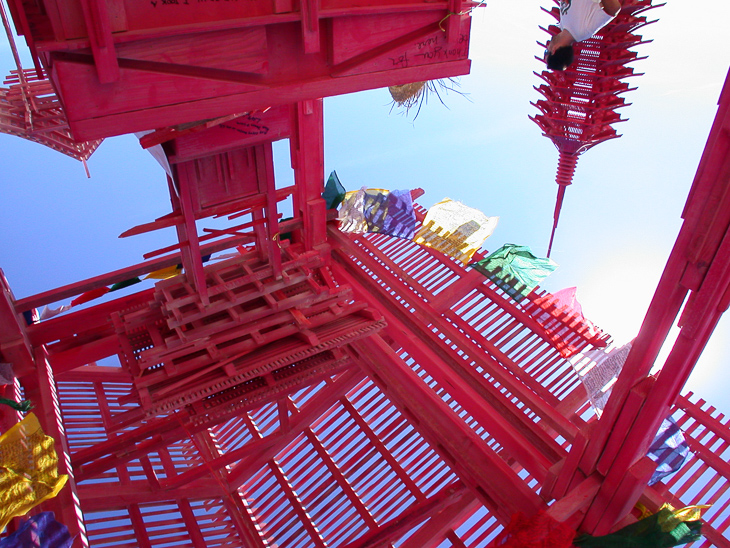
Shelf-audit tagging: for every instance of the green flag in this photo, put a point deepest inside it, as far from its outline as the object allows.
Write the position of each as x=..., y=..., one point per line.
x=515, y=269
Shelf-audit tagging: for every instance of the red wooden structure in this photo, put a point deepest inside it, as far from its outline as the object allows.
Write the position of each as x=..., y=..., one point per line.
x=316, y=388
x=123, y=66
x=580, y=104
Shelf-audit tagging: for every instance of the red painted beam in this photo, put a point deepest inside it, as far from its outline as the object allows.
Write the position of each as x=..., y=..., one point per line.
x=15, y=348
x=111, y=123
x=40, y=388
x=96, y=497
x=307, y=151
x=433, y=532
x=389, y=532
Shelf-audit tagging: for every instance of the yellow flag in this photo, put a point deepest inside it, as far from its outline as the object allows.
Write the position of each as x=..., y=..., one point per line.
x=28, y=469
x=164, y=273
x=455, y=229
x=688, y=513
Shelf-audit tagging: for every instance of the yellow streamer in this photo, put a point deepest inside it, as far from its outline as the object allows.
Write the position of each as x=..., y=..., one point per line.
x=164, y=273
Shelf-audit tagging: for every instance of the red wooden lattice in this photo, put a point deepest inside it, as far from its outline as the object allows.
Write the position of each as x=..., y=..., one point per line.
x=324, y=389
x=30, y=109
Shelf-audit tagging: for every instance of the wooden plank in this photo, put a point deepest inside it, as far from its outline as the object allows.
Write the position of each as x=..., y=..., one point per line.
x=98, y=27
x=307, y=146
x=264, y=158
x=76, y=288
x=83, y=354
x=127, y=108
x=95, y=497
x=14, y=343
x=297, y=505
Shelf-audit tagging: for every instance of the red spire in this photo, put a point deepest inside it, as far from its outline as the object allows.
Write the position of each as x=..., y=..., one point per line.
x=580, y=104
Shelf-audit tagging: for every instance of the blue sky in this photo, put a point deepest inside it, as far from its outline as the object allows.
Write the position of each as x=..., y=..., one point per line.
x=619, y=220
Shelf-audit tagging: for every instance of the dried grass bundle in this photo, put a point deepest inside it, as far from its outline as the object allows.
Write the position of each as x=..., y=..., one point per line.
x=408, y=96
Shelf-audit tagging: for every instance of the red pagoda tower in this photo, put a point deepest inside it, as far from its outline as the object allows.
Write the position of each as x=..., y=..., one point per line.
x=317, y=388
x=580, y=104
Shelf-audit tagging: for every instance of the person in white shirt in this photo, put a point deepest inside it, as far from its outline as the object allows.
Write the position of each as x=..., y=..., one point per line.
x=579, y=20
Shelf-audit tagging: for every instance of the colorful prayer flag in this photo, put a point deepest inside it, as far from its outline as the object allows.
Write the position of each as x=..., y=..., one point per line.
x=669, y=449
x=600, y=372
x=352, y=213
x=515, y=270
x=334, y=192
x=165, y=273
x=28, y=469
x=125, y=283
x=664, y=529
x=23, y=406
x=39, y=531
x=90, y=296
x=561, y=316
x=455, y=229
x=380, y=211
x=49, y=312
x=392, y=214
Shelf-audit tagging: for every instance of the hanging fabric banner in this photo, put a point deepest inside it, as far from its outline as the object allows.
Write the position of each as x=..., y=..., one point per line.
x=515, y=270
x=455, y=229
x=23, y=406
x=600, y=373
x=391, y=213
x=380, y=211
x=352, y=213
x=561, y=316
x=48, y=313
x=28, y=469
x=157, y=152
x=39, y=531
x=669, y=449
x=165, y=273
x=90, y=296
x=125, y=283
